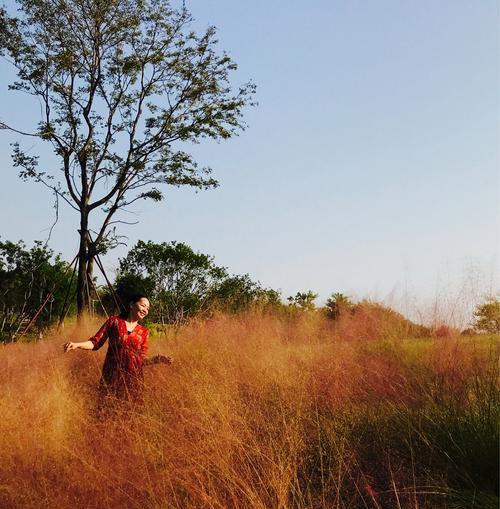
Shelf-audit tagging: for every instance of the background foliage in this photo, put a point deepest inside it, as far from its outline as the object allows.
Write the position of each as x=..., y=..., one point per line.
x=27, y=277
x=183, y=284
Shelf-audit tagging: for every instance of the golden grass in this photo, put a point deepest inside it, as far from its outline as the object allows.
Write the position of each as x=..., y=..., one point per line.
x=258, y=411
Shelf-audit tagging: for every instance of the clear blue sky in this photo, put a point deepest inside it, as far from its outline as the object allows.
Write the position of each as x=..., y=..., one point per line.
x=371, y=165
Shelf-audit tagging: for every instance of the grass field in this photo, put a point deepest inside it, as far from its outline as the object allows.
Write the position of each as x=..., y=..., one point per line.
x=258, y=411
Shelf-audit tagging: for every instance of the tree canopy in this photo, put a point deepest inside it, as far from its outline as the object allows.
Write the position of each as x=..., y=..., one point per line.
x=487, y=316
x=303, y=300
x=338, y=304
x=123, y=86
x=183, y=283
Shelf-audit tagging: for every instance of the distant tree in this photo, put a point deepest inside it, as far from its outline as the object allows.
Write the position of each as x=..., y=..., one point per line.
x=303, y=300
x=27, y=277
x=238, y=293
x=122, y=85
x=487, y=316
x=268, y=297
x=179, y=280
x=468, y=331
x=337, y=305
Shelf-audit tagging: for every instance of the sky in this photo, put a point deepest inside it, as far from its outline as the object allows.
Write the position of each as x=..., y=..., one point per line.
x=369, y=167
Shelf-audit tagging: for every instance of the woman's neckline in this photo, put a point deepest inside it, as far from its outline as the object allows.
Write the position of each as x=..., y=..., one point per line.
x=126, y=328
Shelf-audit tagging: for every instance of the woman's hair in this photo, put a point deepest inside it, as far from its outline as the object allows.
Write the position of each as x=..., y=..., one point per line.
x=136, y=297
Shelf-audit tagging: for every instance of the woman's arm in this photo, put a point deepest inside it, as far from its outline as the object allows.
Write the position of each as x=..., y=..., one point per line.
x=95, y=342
x=84, y=345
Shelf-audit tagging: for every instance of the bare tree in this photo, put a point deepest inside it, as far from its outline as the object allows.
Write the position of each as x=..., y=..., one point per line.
x=123, y=85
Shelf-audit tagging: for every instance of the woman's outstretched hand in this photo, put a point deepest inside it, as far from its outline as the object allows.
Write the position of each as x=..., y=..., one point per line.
x=70, y=346
x=84, y=345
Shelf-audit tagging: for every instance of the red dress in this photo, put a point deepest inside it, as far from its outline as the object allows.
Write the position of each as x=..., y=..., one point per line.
x=122, y=375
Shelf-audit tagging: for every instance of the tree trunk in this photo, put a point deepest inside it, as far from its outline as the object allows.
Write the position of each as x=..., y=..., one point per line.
x=90, y=275
x=82, y=284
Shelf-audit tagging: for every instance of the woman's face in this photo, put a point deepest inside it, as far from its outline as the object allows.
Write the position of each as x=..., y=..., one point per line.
x=140, y=309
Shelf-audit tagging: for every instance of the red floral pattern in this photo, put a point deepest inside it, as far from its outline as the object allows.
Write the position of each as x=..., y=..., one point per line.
x=122, y=370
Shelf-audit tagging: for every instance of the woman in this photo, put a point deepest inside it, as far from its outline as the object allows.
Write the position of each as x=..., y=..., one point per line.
x=122, y=375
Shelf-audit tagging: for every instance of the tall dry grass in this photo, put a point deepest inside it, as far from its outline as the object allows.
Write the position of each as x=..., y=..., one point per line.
x=258, y=411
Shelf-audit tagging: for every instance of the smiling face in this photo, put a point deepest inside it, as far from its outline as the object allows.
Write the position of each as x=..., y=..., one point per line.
x=139, y=309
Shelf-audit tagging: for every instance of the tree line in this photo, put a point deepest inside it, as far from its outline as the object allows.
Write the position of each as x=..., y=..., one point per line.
x=180, y=282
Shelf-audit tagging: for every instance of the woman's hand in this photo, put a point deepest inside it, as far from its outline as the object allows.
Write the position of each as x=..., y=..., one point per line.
x=70, y=346
x=84, y=345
